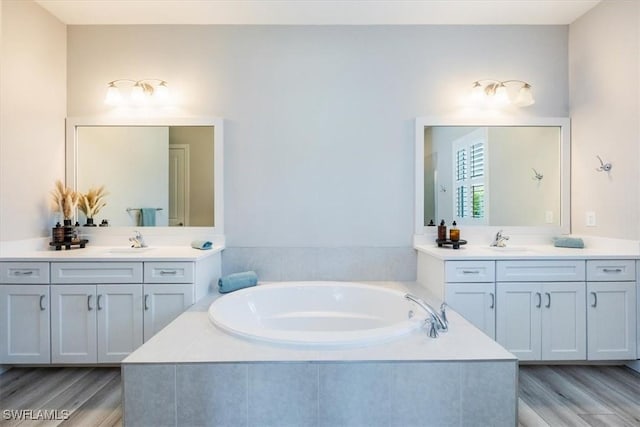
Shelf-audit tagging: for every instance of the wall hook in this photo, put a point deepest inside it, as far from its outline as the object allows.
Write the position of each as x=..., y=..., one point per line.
x=537, y=175
x=606, y=167
x=443, y=189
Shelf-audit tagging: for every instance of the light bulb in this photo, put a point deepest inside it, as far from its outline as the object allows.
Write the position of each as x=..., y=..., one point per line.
x=137, y=94
x=161, y=92
x=525, y=97
x=113, y=97
x=501, y=97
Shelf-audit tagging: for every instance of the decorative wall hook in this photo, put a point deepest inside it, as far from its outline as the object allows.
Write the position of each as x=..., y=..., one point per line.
x=537, y=175
x=443, y=189
x=604, y=167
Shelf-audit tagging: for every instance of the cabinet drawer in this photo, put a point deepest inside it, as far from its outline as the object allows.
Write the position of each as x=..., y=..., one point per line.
x=168, y=272
x=540, y=271
x=469, y=271
x=607, y=270
x=24, y=272
x=96, y=272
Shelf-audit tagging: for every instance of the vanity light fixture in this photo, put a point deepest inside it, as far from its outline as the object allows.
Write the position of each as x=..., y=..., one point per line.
x=140, y=92
x=495, y=93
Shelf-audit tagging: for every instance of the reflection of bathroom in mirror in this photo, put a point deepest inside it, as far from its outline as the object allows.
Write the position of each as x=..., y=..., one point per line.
x=167, y=171
x=512, y=175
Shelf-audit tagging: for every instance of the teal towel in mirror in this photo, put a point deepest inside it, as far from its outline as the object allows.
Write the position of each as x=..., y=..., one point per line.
x=568, y=242
x=201, y=244
x=235, y=281
x=147, y=217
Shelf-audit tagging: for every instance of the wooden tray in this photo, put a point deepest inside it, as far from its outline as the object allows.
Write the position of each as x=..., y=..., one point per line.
x=69, y=245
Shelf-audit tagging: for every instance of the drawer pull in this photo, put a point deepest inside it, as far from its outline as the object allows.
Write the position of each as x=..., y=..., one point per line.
x=98, y=301
x=146, y=302
x=612, y=270
x=470, y=271
x=89, y=302
x=168, y=272
x=548, y=299
x=539, y=295
x=595, y=299
x=24, y=273
x=42, y=307
x=493, y=300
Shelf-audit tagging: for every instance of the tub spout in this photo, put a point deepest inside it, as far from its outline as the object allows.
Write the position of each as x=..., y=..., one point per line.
x=437, y=320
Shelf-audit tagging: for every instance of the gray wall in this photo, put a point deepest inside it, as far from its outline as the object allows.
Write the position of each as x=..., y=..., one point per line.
x=319, y=120
x=605, y=109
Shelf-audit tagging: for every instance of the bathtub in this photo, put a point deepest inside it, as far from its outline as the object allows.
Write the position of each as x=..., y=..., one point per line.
x=316, y=313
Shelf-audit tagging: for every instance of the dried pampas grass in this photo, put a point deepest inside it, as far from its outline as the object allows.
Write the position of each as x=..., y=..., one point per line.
x=64, y=200
x=91, y=203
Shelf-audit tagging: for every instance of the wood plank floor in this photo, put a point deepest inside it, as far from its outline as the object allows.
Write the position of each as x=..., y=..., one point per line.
x=595, y=396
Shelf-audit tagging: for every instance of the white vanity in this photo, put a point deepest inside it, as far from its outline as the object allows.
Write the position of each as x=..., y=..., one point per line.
x=540, y=302
x=96, y=305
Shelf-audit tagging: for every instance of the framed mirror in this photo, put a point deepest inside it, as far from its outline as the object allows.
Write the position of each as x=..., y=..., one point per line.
x=157, y=172
x=510, y=174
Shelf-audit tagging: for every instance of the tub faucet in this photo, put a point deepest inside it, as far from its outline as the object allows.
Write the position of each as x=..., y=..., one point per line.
x=438, y=321
x=500, y=241
x=137, y=241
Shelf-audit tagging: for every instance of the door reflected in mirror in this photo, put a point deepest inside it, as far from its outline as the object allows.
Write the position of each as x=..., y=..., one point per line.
x=493, y=175
x=155, y=175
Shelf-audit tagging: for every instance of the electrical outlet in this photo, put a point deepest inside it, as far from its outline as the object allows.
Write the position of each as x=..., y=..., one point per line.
x=548, y=217
x=590, y=220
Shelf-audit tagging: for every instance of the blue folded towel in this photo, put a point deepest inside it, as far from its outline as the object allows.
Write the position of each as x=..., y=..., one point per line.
x=235, y=281
x=147, y=217
x=568, y=242
x=201, y=244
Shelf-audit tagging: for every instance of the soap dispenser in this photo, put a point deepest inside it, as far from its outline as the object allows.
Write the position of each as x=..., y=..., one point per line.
x=454, y=232
x=442, y=231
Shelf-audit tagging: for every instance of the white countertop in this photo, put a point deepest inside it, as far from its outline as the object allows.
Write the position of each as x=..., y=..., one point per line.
x=110, y=253
x=191, y=338
x=531, y=252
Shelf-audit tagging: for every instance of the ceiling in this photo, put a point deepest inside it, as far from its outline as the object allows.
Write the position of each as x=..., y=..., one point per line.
x=318, y=12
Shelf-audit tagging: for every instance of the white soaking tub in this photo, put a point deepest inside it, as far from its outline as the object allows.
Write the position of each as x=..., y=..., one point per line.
x=316, y=313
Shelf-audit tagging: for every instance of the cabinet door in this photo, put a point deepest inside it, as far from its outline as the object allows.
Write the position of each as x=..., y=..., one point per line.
x=24, y=324
x=518, y=309
x=119, y=309
x=611, y=320
x=475, y=302
x=162, y=304
x=73, y=324
x=564, y=322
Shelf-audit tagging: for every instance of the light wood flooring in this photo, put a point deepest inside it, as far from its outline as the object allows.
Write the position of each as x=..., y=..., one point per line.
x=553, y=396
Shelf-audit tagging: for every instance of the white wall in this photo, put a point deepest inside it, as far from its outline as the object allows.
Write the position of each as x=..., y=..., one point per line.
x=604, y=69
x=319, y=120
x=32, y=113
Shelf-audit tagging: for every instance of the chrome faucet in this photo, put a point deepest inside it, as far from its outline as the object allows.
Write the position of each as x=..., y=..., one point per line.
x=437, y=321
x=500, y=240
x=137, y=241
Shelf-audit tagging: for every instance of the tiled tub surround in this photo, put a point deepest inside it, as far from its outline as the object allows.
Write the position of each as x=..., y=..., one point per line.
x=192, y=373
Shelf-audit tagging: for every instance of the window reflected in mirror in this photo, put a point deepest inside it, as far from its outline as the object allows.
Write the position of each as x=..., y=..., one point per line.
x=493, y=175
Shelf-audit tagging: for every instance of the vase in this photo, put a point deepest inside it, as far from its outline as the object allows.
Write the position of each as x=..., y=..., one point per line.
x=89, y=223
x=68, y=231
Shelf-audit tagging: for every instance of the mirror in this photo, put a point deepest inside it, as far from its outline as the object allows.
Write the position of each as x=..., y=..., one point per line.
x=156, y=173
x=512, y=174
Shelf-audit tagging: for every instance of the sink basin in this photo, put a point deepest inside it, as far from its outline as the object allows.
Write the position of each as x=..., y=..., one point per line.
x=129, y=250
x=510, y=249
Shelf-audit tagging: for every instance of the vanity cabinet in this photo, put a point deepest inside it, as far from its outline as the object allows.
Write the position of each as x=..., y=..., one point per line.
x=24, y=313
x=611, y=310
x=167, y=293
x=540, y=316
x=470, y=290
